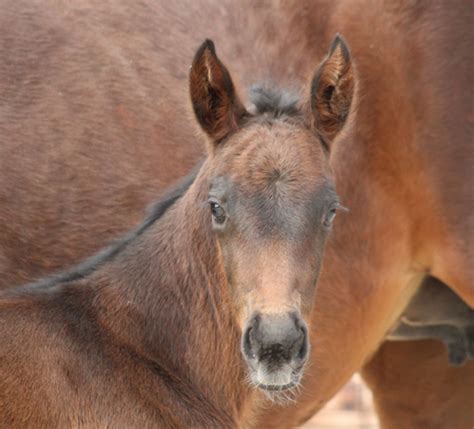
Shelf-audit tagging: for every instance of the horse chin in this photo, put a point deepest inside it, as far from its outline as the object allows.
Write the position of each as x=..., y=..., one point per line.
x=276, y=388
x=276, y=380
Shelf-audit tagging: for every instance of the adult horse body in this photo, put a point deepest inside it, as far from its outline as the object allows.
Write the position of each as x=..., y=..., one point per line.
x=92, y=117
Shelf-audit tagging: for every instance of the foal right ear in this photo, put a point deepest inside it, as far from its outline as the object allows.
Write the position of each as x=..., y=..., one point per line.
x=332, y=90
x=215, y=103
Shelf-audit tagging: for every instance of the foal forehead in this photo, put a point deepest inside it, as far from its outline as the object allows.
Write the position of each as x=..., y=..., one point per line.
x=277, y=180
x=278, y=156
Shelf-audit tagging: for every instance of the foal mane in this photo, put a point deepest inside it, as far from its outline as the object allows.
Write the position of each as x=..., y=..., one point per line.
x=267, y=98
x=89, y=265
x=271, y=100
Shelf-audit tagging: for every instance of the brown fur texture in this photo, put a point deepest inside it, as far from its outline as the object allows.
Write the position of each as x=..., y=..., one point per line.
x=93, y=126
x=148, y=332
x=215, y=103
x=331, y=87
x=134, y=344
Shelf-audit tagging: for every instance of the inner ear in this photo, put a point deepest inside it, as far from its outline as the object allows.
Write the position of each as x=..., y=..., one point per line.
x=215, y=102
x=332, y=90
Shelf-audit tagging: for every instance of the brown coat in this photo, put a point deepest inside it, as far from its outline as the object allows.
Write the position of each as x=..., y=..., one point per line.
x=77, y=82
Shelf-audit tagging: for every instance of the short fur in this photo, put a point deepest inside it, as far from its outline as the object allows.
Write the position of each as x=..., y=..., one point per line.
x=156, y=211
x=147, y=333
x=95, y=124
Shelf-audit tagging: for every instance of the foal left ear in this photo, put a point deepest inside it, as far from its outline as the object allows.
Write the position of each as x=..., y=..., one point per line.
x=332, y=90
x=215, y=103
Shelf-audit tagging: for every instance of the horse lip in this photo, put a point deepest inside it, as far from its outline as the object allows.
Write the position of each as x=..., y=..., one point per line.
x=274, y=388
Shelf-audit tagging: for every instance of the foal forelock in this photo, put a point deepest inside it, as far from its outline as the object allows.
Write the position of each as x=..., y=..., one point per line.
x=268, y=98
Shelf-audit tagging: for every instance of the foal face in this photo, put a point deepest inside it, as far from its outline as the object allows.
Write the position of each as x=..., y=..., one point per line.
x=271, y=203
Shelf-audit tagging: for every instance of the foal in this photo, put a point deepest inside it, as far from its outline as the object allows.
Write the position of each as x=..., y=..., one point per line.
x=151, y=332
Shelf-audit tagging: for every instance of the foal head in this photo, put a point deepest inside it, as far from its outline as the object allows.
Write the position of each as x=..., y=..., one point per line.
x=271, y=202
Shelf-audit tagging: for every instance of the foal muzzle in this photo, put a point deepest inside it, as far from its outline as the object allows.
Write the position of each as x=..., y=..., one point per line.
x=275, y=347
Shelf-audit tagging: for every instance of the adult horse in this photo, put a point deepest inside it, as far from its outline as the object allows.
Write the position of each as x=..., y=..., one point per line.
x=93, y=127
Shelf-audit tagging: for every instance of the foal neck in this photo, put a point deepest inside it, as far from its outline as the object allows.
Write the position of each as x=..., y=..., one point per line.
x=164, y=297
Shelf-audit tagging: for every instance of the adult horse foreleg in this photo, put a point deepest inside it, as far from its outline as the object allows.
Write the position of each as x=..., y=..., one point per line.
x=436, y=312
x=451, y=336
x=414, y=387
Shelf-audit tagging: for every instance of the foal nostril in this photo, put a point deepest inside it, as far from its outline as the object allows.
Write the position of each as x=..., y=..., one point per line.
x=304, y=345
x=250, y=340
x=276, y=339
x=247, y=343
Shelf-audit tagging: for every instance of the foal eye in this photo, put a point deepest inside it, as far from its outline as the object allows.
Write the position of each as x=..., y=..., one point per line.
x=330, y=215
x=218, y=213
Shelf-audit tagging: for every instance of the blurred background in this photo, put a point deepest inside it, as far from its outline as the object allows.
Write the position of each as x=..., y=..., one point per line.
x=350, y=408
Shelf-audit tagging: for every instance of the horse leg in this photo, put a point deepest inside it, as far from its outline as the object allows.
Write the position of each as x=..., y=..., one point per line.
x=414, y=387
x=457, y=353
x=470, y=341
x=451, y=336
